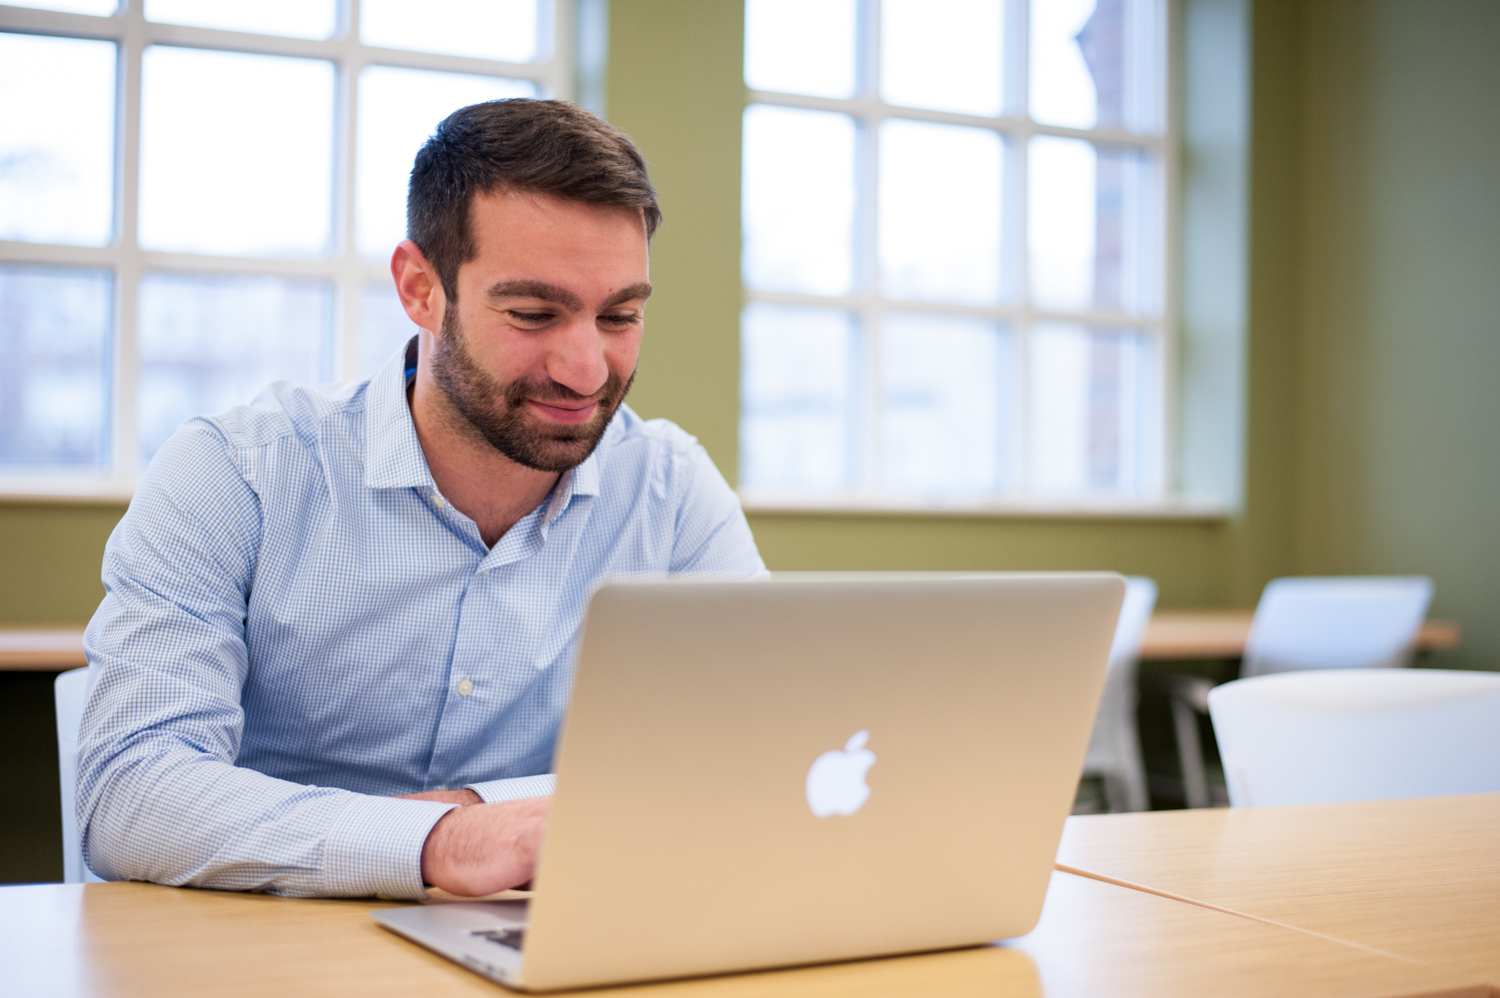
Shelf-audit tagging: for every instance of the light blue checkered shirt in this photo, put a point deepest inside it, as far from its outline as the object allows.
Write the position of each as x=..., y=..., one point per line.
x=298, y=625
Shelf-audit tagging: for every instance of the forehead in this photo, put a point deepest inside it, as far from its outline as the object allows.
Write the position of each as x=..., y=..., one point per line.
x=511, y=223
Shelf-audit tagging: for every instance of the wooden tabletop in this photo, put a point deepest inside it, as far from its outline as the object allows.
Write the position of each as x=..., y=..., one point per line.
x=41, y=649
x=1184, y=634
x=1172, y=634
x=1094, y=939
x=1417, y=878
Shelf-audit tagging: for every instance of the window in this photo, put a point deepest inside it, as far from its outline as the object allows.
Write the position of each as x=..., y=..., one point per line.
x=955, y=215
x=198, y=197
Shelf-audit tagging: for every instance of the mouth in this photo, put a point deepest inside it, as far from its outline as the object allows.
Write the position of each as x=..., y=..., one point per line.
x=570, y=414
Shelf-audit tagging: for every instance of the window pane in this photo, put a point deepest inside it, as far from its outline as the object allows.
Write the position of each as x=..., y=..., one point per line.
x=236, y=153
x=483, y=29
x=99, y=8
x=54, y=385
x=797, y=399
x=1098, y=63
x=942, y=54
x=1095, y=411
x=384, y=327
x=1095, y=217
x=295, y=18
x=209, y=343
x=944, y=387
x=939, y=212
x=801, y=46
x=798, y=200
x=398, y=110
x=57, y=144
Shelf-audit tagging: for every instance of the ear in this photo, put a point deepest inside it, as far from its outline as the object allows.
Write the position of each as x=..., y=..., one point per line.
x=418, y=285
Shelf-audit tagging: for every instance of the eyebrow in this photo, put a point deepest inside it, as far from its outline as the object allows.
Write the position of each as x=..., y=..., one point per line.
x=562, y=296
x=630, y=293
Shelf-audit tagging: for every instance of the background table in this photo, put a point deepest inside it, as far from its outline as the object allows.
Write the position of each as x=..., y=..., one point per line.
x=1188, y=634
x=1415, y=878
x=1172, y=634
x=1094, y=939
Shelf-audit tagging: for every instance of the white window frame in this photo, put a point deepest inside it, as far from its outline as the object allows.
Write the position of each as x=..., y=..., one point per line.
x=869, y=306
x=344, y=269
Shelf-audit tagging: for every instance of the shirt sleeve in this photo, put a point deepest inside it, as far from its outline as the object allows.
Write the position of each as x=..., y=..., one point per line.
x=515, y=788
x=712, y=535
x=159, y=795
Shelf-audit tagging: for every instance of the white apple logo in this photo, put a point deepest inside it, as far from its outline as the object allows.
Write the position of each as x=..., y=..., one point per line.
x=836, y=781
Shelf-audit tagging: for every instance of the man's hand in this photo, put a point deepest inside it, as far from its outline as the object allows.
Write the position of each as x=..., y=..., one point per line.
x=485, y=848
x=464, y=797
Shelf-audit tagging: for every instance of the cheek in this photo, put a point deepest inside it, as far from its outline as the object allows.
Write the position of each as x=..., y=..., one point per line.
x=623, y=352
x=503, y=351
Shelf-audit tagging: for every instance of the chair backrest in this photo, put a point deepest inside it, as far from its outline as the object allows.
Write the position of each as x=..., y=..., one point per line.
x=1355, y=622
x=1135, y=614
x=1114, y=747
x=71, y=692
x=1358, y=734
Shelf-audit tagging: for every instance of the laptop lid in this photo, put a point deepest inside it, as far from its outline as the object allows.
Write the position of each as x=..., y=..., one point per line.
x=711, y=812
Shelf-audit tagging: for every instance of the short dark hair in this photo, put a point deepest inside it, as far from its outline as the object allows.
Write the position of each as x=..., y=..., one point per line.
x=540, y=146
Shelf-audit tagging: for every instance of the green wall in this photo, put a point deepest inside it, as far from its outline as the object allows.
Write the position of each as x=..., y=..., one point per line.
x=1374, y=286
x=51, y=557
x=1399, y=376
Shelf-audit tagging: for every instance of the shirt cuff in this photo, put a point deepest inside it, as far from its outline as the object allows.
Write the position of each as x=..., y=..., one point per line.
x=375, y=847
x=495, y=791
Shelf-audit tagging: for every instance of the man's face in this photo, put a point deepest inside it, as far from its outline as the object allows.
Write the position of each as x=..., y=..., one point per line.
x=542, y=344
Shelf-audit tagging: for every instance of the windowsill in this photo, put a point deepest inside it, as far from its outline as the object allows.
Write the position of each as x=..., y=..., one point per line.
x=1082, y=509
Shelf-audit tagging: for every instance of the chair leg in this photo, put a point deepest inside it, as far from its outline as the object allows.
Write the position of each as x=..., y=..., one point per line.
x=1116, y=794
x=1190, y=753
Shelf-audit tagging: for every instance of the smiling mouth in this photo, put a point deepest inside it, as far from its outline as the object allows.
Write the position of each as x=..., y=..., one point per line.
x=570, y=414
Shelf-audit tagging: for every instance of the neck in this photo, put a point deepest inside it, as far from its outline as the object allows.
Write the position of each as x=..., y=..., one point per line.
x=479, y=481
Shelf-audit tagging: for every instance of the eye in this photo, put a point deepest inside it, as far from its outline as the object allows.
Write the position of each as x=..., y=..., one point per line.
x=528, y=320
x=620, y=320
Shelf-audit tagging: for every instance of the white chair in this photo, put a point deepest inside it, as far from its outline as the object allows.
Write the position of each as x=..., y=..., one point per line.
x=1358, y=734
x=1115, y=746
x=71, y=692
x=1329, y=622
x=1336, y=623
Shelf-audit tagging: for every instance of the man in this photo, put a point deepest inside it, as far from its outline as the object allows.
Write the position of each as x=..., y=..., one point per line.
x=340, y=622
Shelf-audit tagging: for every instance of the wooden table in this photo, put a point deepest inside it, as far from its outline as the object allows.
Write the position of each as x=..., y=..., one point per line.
x=1184, y=634
x=1418, y=879
x=41, y=649
x=1094, y=939
x=1172, y=634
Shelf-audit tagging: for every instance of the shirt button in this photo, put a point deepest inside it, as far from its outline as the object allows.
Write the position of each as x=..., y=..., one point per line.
x=465, y=687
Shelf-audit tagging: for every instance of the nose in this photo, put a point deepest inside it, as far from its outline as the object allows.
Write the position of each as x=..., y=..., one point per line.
x=576, y=357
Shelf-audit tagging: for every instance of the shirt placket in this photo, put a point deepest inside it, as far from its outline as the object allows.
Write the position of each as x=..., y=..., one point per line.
x=495, y=645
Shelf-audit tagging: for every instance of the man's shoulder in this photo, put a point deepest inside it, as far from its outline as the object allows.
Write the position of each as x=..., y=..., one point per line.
x=289, y=429
x=657, y=446
x=662, y=435
x=286, y=409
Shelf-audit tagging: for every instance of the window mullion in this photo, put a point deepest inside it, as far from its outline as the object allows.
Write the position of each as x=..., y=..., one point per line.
x=347, y=283
x=867, y=241
x=1013, y=249
x=130, y=263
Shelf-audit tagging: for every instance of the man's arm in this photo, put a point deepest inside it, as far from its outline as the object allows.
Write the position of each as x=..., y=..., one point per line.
x=712, y=536
x=159, y=796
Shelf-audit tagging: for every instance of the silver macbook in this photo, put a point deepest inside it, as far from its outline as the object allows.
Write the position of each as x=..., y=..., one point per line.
x=799, y=770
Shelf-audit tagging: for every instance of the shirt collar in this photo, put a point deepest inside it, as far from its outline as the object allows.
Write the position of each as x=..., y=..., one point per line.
x=393, y=455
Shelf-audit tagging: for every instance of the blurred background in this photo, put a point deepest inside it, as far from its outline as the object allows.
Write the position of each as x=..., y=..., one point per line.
x=1198, y=290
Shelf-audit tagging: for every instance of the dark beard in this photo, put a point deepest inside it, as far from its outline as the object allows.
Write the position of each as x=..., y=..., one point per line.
x=500, y=415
